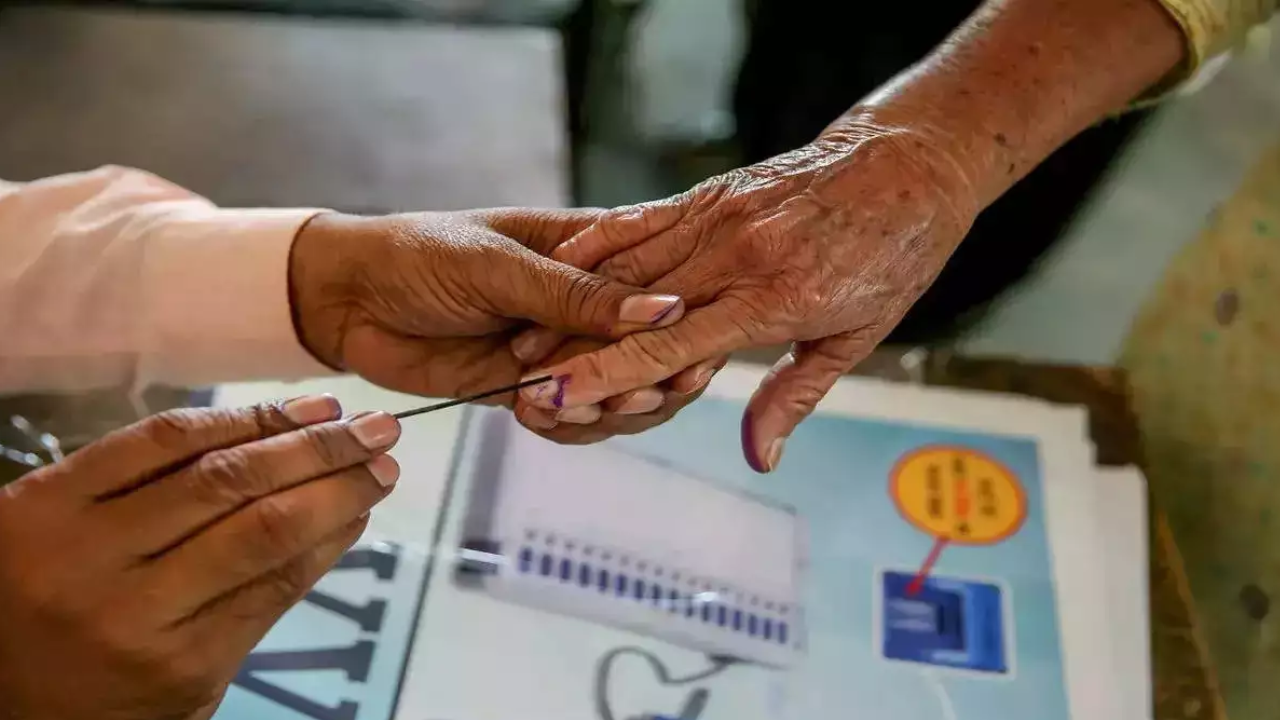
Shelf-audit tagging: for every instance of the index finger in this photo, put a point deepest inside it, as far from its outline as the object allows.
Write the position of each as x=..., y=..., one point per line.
x=647, y=358
x=164, y=513
x=129, y=458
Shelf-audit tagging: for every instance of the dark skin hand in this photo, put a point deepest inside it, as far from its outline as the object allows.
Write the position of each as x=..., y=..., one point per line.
x=137, y=574
x=426, y=303
x=828, y=246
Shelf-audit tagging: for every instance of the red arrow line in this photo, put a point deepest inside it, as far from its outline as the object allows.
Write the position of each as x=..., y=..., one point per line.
x=927, y=567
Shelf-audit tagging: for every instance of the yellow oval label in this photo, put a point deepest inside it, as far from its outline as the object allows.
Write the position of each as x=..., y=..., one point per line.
x=962, y=495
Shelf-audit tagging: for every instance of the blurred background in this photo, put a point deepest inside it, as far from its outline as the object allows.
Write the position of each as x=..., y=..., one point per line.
x=384, y=105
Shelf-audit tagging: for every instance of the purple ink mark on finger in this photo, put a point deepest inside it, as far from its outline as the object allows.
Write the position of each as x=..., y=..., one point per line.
x=662, y=314
x=749, y=446
x=561, y=383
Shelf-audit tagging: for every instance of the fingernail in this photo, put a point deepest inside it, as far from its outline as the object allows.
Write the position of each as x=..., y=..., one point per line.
x=642, y=401
x=757, y=463
x=702, y=379
x=374, y=430
x=774, y=454
x=312, y=409
x=650, y=309
x=536, y=419
x=584, y=415
x=524, y=346
x=549, y=394
x=384, y=469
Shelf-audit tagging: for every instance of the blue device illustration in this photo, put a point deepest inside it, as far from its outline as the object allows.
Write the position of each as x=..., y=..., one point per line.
x=946, y=622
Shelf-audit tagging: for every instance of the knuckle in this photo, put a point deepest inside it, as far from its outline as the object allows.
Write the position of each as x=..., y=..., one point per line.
x=583, y=294
x=804, y=398
x=623, y=267
x=188, y=426
x=753, y=317
x=278, y=526
x=332, y=446
x=173, y=428
x=266, y=419
x=286, y=585
x=651, y=352
x=225, y=478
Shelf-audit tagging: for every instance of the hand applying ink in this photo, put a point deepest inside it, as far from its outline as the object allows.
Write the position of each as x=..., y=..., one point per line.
x=426, y=303
x=143, y=568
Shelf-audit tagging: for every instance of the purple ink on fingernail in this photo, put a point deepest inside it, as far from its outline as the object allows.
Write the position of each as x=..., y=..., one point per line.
x=561, y=382
x=662, y=314
x=749, y=446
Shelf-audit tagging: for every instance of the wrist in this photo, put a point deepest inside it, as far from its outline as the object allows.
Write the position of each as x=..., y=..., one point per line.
x=1019, y=79
x=322, y=272
x=924, y=155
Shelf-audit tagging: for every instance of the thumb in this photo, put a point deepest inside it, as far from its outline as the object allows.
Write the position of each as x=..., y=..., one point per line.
x=790, y=393
x=573, y=301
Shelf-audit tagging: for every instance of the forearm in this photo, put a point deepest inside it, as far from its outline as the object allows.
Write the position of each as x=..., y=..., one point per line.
x=1020, y=78
x=115, y=277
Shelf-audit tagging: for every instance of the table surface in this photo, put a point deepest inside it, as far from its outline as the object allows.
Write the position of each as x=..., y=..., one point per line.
x=1181, y=678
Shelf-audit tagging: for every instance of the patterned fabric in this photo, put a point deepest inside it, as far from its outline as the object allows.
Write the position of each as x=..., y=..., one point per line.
x=1203, y=359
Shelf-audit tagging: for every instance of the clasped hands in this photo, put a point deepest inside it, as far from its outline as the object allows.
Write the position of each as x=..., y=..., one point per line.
x=633, y=310
x=193, y=531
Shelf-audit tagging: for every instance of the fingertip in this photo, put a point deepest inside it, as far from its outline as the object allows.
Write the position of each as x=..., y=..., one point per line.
x=535, y=419
x=636, y=402
x=750, y=449
x=582, y=415
x=376, y=431
x=385, y=470
x=548, y=395
x=535, y=344
x=651, y=311
x=312, y=409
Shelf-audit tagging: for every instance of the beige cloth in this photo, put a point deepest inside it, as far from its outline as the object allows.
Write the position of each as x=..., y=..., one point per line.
x=115, y=277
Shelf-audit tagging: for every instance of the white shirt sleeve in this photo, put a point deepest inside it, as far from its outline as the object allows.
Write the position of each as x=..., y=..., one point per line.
x=116, y=278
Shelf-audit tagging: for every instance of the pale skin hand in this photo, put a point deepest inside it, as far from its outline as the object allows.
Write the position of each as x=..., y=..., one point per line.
x=829, y=245
x=137, y=574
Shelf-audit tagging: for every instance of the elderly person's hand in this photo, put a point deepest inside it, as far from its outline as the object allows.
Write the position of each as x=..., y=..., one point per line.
x=829, y=245
x=775, y=253
x=629, y=413
x=137, y=574
x=426, y=303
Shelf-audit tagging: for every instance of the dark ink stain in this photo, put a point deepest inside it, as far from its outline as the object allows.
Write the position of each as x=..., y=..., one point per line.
x=1012, y=168
x=1001, y=140
x=1227, y=307
x=904, y=194
x=1256, y=603
x=662, y=314
x=562, y=382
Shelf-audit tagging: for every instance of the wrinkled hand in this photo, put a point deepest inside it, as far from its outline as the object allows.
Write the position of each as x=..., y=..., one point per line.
x=137, y=574
x=826, y=247
x=626, y=414
x=425, y=303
